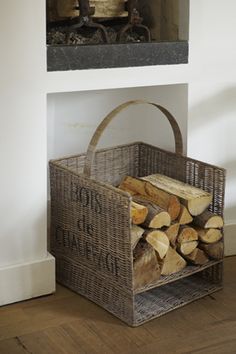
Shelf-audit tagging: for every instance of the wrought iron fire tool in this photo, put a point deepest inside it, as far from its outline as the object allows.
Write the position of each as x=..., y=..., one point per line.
x=134, y=20
x=85, y=19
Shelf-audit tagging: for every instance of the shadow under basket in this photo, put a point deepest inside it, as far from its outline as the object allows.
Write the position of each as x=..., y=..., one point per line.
x=91, y=225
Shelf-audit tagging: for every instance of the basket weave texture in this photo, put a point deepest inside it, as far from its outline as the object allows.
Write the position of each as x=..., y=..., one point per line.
x=91, y=225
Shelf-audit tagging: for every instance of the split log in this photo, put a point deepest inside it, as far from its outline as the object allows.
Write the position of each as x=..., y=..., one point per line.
x=184, y=216
x=100, y=8
x=197, y=257
x=136, y=234
x=140, y=188
x=214, y=250
x=159, y=241
x=209, y=235
x=109, y=8
x=186, y=248
x=138, y=213
x=187, y=240
x=172, y=232
x=52, y=13
x=208, y=220
x=146, y=266
x=134, y=186
x=187, y=234
x=66, y=8
x=156, y=217
x=173, y=262
x=195, y=199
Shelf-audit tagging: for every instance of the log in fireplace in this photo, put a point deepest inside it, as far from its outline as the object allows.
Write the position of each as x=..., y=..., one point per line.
x=83, y=34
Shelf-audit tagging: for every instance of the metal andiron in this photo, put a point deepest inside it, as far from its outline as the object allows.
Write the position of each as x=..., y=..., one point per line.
x=85, y=19
x=124, y=15
x=134, y=20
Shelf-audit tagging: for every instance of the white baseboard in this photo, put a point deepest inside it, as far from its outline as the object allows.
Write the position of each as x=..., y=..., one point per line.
x=230, y=239
x=25, y=281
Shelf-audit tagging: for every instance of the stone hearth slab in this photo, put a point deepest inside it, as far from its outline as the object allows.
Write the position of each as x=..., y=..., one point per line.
x=63, y=58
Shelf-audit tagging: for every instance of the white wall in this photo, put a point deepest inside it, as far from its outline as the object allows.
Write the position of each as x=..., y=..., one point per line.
x=212, y=96
x=23, y=250
x=212, y=90
x=22, y=127
x=212, y=41
x=73, y=117
x=212, y=127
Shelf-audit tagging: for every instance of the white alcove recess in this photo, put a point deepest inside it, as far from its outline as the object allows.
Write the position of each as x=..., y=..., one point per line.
x=73, y=118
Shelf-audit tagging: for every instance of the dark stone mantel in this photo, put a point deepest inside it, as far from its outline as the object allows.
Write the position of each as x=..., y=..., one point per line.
x=63, y=58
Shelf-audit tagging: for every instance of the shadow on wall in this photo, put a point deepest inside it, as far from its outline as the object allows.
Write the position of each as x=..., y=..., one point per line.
x=230, y=215
x=215, y=108
x=212, y=130
x=73, y=117
x=230, y=211
x=230, y=167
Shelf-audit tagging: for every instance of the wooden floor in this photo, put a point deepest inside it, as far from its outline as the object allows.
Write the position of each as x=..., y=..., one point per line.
x=67, y=323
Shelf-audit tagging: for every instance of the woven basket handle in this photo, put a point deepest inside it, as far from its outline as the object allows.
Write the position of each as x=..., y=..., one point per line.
x=102, y=126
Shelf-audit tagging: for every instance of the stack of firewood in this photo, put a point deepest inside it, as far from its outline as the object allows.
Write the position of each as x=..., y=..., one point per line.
x=171, y=227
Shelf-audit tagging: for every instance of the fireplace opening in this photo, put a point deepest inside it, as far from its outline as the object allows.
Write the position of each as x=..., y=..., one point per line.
x=83, y=34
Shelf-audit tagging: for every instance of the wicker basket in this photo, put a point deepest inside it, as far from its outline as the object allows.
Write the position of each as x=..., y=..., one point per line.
x=90, y=225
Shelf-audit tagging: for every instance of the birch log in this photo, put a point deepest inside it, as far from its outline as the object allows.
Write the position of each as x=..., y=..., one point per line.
x=208, y=220
x=156, y=216
x=186, y=248
x=172, y=232
x=159, y=241
x=184, y=216
x=187, y=240
x=101, y=8
x=139, y=188
x=146, y=266
x=197, y=257
x=214, y=250
x=138, y=213
x=187, y=234
x=209, y=235
x=195, y=199
x=136, y=234
x=173, y=262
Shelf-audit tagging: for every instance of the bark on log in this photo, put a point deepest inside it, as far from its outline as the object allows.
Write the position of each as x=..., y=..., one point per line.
x=195, y=199
x=197, y=257
x=138, y=213
x=209, y=235
x=172, y=232
x=145, y=190
x=214, y=250
x=173, y=262
x=159, y=241
x=146, y=266
x=156, y=217
x=208, y=220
